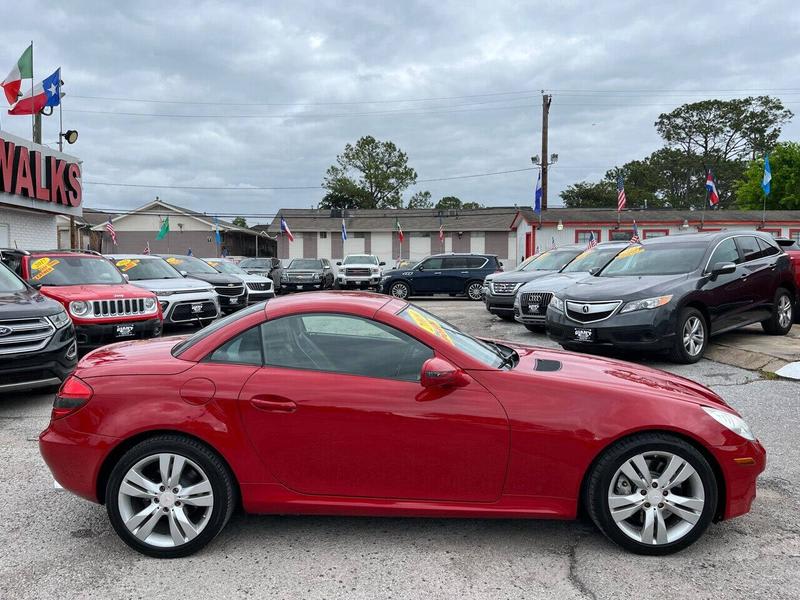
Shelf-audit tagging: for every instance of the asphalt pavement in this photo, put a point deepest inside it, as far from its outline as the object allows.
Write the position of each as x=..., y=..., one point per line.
x=55, y=545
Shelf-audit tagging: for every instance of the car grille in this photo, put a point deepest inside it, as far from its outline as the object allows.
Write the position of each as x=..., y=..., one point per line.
x=184, y=311
x=299, y=277
x=357, y=272
x=26, y=335
x=119, y=308
x=230, y=290
x=501, y=288
x=257, y=286
x=538, y=300
x=590, y=312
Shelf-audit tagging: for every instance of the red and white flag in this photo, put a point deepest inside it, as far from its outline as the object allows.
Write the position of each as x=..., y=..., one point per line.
x=621, y=200
x=22, y=70
x=285, y=230
x=111, y=231
x=711, y=188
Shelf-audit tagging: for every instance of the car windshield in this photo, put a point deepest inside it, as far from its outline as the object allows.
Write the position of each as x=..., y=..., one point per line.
x=73, y=270
x=190, y=264
x=480, y=350
x=225, y=266
x=551, y=260
x=303, y=263
x=656, y=259
x=255, y=262
x=360, y=259
x=596, y=258
x=138, y=269
x=9, y=282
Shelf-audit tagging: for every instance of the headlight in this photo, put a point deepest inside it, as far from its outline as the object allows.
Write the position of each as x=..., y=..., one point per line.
x=150, y=304
x=376, y=271
x=284, y=277
x=731, y=421
x=646, y=303
x=79, y=308
x=316, y=277
x=556, y=303
x=517, y=301
x=59, y=320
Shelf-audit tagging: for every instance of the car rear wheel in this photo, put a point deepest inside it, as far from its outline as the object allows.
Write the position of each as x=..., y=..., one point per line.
x=475, y=290
x=400, y=289
x=782, y=317
x=169, y=496
x=652, y=494
x=691, y=337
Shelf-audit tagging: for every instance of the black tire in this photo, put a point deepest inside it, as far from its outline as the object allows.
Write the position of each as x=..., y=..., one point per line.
x=504, y=316
x=474, y=290
x=400, y=289
x=773, y=325
x=535, y=329
x=222, y=485
x=600, y=480
x=681, y=352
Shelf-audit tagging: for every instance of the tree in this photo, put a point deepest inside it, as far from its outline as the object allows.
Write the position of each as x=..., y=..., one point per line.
x=348, y=196
x=420, y=200
x=471, y=205
x=784, y=163
x=371, y=172
x=590, y=195
x=448, y=203
x=239, y=221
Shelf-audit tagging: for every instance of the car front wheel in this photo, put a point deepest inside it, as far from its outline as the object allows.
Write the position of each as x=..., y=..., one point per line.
x=691, y=337
x=400, y=289
x=169, y=496
x=652, y=494
x=782, y=317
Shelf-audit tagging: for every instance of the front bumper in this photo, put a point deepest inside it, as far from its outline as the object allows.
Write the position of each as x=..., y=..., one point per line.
x=254, y=297
x=497, y=304
x=43, y=368
x=741, y=465
x=298, y=286
x=94, y=335
x=637, y=330
x=181, y=308
x=229, y=304
x=359, y=281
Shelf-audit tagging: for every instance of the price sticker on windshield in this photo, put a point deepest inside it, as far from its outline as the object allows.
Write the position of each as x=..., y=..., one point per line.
x=632, y=251
x=43, y=267
x=175, y=261
x=126, y=264
x=429, y=325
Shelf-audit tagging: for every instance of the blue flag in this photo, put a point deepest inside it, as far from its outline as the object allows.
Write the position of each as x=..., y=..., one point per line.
x=537, y=199
x=765, y=182
x=216, y=231
x=344, y=231
x=52, y=88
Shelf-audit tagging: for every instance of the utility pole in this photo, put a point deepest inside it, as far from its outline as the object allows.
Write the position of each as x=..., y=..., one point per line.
x=546, y=100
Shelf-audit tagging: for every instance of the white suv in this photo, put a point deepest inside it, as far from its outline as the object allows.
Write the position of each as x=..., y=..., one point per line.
x=360, y=270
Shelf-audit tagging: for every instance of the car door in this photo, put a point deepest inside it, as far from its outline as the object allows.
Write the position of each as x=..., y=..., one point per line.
x=427, y=278
x=758, y=277
x=725, y=295
x=338, y=410
x=455, y=274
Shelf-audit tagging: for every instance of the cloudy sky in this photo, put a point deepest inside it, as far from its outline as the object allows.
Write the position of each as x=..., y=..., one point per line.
x=241, y=95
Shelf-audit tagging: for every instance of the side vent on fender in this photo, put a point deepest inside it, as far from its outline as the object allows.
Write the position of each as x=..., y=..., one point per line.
x=544, y=364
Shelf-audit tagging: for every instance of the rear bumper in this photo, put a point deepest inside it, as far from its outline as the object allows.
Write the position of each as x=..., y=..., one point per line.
x=99, y=334
x=740, y=479
x=44, y=368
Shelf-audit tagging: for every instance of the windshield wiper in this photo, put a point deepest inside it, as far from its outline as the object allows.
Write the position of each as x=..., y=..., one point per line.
x=506, y=359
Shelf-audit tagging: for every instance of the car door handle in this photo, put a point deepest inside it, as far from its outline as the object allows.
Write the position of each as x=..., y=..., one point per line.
x=438, y=273
x=464, y=272
x=273, y=404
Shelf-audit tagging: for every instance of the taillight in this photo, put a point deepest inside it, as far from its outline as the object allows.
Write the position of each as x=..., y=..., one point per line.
x=74, y=393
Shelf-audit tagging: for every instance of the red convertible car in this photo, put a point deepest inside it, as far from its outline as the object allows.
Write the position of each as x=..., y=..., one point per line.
x=348, y=403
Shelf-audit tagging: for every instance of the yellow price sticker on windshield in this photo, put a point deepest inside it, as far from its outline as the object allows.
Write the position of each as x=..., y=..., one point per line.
x=631, y=251
x=213, y=263
x=43, y=266
x=174, y=261
x=428, y=325
x=126, y=264
x=583, y=254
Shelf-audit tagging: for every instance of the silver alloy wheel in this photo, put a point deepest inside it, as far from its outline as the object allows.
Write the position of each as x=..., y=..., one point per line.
x=656, y=497
x=165, y=500
x=784, y=311
x=475, y=290
x=400, y=290
x=694, y=335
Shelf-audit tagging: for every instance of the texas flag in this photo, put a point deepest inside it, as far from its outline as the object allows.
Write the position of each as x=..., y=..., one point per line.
x=711, y=187
x=285, y=230
x=47, y=93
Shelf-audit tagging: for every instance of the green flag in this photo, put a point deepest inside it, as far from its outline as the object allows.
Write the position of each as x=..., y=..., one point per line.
x=162, y=233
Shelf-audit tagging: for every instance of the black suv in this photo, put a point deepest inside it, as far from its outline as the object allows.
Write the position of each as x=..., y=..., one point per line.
x=452, y=274
x=231, y=290
x=307, y=274
x=37, y=339
x=673, y=293
x=268, y=267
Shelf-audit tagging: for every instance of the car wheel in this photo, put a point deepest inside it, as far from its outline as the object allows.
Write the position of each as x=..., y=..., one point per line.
x=169, y=496
x=504, y=316
x=652, y=494
x=475, y=290
x=691, y=337
x=782, y=318
x=400, y=289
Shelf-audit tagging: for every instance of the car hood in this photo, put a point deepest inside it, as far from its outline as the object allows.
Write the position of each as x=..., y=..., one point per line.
x=68, y=293
x=554, y=282
x=622, y=288
x=135, y=357
x=215, y=278
x=22, y=305
x=519, y=276
x=176, y=283
x=595, y=372
x=250, y=278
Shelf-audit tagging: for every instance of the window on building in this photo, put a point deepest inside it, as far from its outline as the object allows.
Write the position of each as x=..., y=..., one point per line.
x=478, y=234
x=323, y=235
x=774, y=231
x=582, y=235
x=654, y=233
x=357, y=235
x=795, y=235
x=619, y=235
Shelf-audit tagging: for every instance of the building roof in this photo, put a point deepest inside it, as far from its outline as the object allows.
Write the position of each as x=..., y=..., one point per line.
x=606, y=215
x=97, y=219
x=496, y=218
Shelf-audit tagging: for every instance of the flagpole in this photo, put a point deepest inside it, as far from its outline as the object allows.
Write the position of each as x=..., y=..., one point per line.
x=60, y=115
x=33, y=117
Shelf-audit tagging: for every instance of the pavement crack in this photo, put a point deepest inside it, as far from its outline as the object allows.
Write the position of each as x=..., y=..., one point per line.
x=573, y=576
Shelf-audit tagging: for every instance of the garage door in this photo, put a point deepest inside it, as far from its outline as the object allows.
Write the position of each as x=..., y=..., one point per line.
x=419, y=247
x=5, y=237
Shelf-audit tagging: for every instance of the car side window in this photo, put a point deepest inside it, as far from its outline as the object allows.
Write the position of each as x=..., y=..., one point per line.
x=343, y=344
x=766, y=248
x=726, y=252
x=455, y=262
x=748, y=244
x=244, y=349
x=475, y=262
x=432, y=264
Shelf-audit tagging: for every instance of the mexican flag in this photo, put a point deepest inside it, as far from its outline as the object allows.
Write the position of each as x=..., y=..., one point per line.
x=398, y=229
x=22, y=70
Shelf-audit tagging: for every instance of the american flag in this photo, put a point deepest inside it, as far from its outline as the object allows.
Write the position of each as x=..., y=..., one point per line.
x=441, y=230
x=620, y=194
x=592, y=241
x=147, y=248
x=635, y=237
x=111, y=231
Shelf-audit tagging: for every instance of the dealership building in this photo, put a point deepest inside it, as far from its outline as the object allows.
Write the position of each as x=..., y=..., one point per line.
x=37, y=185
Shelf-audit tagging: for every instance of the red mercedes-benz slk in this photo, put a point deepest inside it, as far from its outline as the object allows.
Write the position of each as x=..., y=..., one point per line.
x=358, y=404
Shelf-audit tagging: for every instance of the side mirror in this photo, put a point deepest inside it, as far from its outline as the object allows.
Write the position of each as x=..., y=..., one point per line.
x=184, y=273
x=326, y=266
x=126, y=276
x=420, y=268
x=595, y=270
x=500, y=262
x=723, y=268
x=35, y=285
x=339, y=263
x=438, y=373
x=381, y=264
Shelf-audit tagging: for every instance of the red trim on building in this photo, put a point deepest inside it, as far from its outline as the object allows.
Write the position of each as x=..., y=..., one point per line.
x=597, y=234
